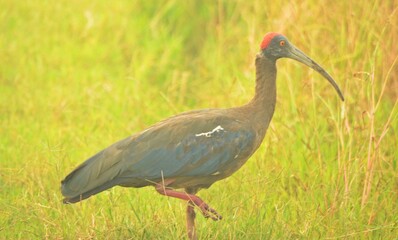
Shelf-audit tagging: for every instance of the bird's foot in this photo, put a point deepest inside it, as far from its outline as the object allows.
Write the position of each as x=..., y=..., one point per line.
x=209, y=212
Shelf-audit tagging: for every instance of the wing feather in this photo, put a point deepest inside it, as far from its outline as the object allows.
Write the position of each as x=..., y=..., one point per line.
x=173, y=148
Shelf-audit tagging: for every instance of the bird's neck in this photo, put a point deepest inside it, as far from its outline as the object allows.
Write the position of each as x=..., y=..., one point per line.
x=265, y=94
x=262, y=106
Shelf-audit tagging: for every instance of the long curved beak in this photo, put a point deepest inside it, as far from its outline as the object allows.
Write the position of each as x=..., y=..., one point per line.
x=298, y=55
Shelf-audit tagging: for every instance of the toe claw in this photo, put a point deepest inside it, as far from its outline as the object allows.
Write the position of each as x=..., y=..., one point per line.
x=209, y=212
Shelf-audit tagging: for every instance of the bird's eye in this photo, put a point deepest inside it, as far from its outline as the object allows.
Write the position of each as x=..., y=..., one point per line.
x=282, y=43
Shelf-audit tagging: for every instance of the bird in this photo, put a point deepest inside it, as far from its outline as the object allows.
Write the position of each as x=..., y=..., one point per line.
x=190, y=151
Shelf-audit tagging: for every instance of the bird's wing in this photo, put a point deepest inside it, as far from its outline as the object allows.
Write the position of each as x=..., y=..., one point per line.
x=188, y=145
x=193, y=148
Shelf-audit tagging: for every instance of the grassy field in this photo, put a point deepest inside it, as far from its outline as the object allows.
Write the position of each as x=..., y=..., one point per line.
x=76, y=76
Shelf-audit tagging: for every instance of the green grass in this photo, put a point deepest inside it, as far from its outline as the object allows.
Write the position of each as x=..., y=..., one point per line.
x=76, y=76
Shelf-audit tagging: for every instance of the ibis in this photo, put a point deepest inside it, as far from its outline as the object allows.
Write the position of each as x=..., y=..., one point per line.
x=190, y=151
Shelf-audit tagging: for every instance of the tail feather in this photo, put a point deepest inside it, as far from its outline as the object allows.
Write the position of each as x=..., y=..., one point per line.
x=100, y=172
x=78, y=198
x=91, y=177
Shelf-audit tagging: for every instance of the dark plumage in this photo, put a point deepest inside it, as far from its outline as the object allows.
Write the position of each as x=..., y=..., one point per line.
x=194, y=149
x=189, y=152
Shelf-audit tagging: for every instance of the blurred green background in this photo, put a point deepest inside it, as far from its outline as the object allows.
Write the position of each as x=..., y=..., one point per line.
x=76, y=76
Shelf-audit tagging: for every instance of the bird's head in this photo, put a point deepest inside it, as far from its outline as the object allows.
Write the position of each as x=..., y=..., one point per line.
x=275, y=46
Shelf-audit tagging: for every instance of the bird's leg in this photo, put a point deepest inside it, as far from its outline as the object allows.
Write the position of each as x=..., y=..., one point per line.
x=191, y=221
x=191, y=230
x=206, y=210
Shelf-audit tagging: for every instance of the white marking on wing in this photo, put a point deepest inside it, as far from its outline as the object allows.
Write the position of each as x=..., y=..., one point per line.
x=208, y=134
